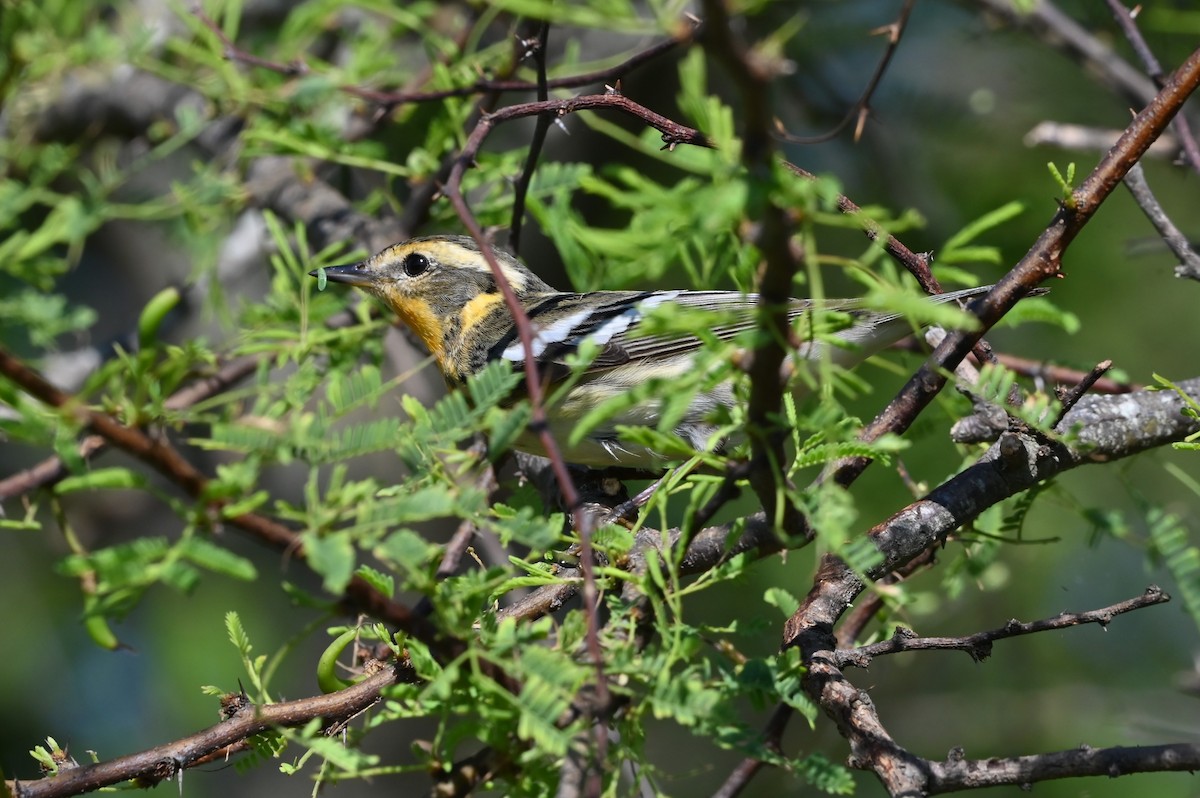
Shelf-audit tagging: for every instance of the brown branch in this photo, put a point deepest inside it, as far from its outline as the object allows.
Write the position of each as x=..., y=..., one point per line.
x=763, y=427
x=393, y=99
x=1154, y=70
x=165, y=761
x=957, y=773
x=673, y=133
x=485, y=482
x=979, y=645
x=856, y=620
x=1062, y=375
x=684, y=35
x=52, y=470
x=1071, y=396
x=916, y=264
x=848, y=632
x=1048, y=22
x=903, y=773
x=157, y=453
x=1099, y=429
x=1104, y=428
x=772, y=740
x=1043, y=261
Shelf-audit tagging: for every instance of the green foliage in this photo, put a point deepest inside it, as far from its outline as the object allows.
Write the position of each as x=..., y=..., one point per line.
x=330, y=438
x=1038, y=410
x=1171, y=540
x=1191, y=410
x=1066, y=185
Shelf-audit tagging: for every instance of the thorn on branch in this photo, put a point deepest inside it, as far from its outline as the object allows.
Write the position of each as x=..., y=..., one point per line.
x=1070, y=398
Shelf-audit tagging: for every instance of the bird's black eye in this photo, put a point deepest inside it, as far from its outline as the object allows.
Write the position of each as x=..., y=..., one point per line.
x=414, y=264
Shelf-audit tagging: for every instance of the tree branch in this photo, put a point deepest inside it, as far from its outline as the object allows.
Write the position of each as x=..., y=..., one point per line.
x=1044, y=260
x=979, y=645
x=164, y=761
x=166, y=460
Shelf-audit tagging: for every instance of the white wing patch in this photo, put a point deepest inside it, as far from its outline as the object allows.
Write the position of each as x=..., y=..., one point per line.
x=563, y=329
x=550, y=334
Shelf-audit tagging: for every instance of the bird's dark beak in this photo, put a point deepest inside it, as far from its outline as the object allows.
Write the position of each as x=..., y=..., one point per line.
x=351, y=274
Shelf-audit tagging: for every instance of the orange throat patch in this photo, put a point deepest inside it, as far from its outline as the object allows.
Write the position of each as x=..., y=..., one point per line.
x=418, y=316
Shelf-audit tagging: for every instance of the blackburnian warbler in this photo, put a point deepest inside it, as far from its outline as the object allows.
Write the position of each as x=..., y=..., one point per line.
x=442, y=288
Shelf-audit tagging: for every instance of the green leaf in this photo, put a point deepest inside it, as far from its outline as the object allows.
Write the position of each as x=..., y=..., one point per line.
x=347, y=391
x=551, y=682
x=1169, y=535
x=206, y=554
x=953, y=251
x=781, y=599
x=435, y=501
x=101, y=479
x=332, y=556
x=406, y=550
x=237, y=634
x=384, y=583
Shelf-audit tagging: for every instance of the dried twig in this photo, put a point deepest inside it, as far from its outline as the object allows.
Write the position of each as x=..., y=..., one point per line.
x=1072, y=395
x=979, y=645
x=165, y=761
x=1154, y=70
x=1044, y=260
x=53, y=469
x=1176, y=241
x=861, y=110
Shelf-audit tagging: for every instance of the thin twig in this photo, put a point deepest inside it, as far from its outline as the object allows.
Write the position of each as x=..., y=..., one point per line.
x=165, y=761
x=861, y=109
x=916, y=264
x=1071, y=397
x=521, y=187
x=1043, y=261
x=460, y=541
x=979, y=645
x=1176, y=241
x=673, y=133
x=539, y=425
x=772, y=740
x=1097, y=139
x=854, y=622
x=1056, y=29
x=1044, y=371
x=393, y=99
x=167, y=461
x=1154, y=70
x=53, y=470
